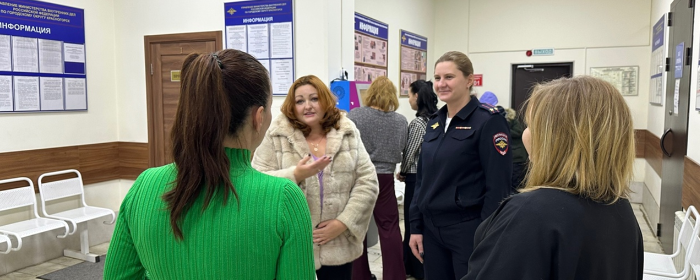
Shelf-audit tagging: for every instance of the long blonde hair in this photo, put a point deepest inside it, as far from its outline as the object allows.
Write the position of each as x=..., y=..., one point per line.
x=582, y=139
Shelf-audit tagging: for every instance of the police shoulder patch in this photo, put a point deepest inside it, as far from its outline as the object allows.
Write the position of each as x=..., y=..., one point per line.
x=491, y=109
x=500, y=142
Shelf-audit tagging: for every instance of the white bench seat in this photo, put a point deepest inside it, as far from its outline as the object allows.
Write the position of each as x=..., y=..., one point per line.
x=25, y=197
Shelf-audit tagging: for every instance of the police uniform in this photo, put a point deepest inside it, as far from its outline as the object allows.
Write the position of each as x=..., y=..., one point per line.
x=463, y=175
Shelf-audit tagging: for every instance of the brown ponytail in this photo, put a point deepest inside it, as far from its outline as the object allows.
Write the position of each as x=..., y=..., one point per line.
x=217, y=92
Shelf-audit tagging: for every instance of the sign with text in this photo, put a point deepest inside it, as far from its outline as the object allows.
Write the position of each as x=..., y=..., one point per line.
x=478, y=80
x=42, y=57
x=658, y=63
x=537, y=52
x=414, y=59
x=679, y=59
x=265, y=30
x=371, y=48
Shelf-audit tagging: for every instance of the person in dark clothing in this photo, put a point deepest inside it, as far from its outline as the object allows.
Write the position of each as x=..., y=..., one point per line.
x=516, y=143
x=464, y=172
x=573, y=219
x=424, y=101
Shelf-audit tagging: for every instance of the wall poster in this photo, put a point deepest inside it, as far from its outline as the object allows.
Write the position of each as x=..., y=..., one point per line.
x=42, y=57
x=414, y=60
x=623, y=78
x=371, y=48
x=658, y=63
x=265, y=30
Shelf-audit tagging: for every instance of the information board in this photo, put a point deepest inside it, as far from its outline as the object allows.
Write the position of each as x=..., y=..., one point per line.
x=624, y=78
x=658, y=63
x=414, y=59
x=265, y=30
x=42, y=57
x=371, y=48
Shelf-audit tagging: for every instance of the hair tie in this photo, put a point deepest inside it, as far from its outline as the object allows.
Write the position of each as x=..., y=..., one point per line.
x=218, y=61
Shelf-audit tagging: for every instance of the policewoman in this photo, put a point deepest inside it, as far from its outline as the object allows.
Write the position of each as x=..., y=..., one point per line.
x=464, y=172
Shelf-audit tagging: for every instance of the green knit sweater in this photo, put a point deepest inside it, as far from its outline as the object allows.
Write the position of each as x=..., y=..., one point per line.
x=269, y=237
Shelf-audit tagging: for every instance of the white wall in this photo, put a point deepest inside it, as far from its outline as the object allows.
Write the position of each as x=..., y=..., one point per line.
x=415, y=16
x=315, y=49
x=507, y=25
x=29, y=131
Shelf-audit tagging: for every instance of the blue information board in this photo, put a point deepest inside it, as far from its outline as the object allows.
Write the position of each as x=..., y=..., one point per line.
x=265, y=30
x=42, y=57
x=414, y=60
x=371, y=48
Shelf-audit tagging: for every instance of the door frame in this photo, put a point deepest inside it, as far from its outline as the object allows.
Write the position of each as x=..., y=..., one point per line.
x=155, y=121
x=514, y=67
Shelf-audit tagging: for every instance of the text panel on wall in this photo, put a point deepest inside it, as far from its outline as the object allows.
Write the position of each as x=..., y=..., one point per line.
x=414, y=59
x=265, y=30
x=42, y=57
x=371, y=52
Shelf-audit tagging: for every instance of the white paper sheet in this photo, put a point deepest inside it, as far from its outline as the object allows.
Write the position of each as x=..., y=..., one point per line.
x=25, y=57
x=281, y=41
x=5, y=93
x=5, y=53
x=75, y=94
x=258, y=41
x=236, y=38
x=282, y=75
x=265, y=63
x=676, y=96
x=74, y=53
x=51, y=93
x=50, y=59
x=26, y=93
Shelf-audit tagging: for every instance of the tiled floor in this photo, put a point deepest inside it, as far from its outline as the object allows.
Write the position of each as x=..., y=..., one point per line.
x=651, y=244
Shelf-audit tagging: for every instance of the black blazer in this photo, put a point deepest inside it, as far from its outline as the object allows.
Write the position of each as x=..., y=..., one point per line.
x=553, y=234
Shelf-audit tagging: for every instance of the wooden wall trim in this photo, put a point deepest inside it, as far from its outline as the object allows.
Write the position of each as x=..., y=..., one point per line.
x=652, y=151
x=691, y=183
x=639, y=140
x=96, y=162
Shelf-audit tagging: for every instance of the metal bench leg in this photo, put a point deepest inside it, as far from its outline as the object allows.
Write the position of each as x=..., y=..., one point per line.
x=84, y=253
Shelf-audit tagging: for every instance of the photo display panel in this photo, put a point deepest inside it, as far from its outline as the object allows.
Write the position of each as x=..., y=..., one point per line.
x=414, y=60
x=371, y=48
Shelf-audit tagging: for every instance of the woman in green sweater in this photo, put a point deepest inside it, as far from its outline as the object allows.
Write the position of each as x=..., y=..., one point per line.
x=210, y=215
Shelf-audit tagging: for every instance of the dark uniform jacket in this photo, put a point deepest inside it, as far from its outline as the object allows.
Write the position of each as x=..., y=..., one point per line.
x=552, y=234
x=464, y=173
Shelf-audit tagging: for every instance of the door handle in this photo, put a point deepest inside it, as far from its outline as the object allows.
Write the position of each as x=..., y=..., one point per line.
x=663, y=140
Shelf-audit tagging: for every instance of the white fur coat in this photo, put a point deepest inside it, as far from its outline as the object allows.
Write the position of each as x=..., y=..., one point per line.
x=350, y=183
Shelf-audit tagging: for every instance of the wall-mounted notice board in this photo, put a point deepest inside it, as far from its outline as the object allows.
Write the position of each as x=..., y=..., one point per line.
x=42, y=57
x=371, y=41
x=265, y=30
x=414, y=59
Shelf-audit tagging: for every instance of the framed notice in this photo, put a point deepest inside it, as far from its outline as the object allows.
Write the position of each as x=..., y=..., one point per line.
x=42, y=48
x=658, y=63
x=414, y=60
x=265, y=30
x=624, y=78
x=371, y=48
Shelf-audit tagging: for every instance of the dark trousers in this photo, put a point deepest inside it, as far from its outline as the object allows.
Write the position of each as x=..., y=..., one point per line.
x=332, y=272
x=447, y=249
x=386, y=215
x=413, y=266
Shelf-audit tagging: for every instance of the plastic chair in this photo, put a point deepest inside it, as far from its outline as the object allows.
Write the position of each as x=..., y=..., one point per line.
x=68, y=188
x=19, y=198
x=661, y=266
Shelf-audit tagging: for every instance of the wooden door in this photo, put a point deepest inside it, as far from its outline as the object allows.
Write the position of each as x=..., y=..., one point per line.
x=164, y=57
